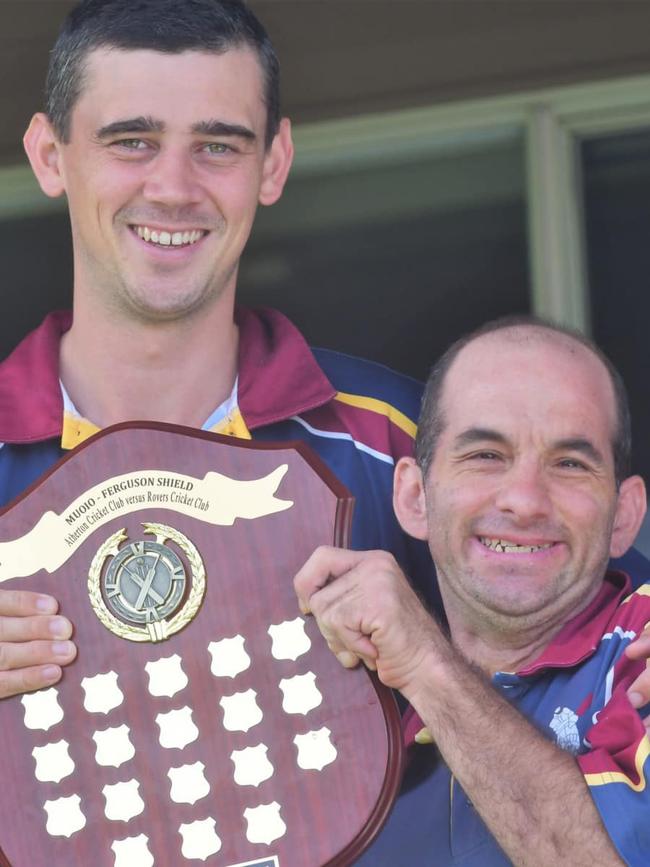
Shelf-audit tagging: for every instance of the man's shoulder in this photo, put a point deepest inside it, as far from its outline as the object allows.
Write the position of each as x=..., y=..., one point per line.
x=22, y=465
x=635, y=564
x=281, y=377
x=632, y=614
x=31, y=404
x=358, y=376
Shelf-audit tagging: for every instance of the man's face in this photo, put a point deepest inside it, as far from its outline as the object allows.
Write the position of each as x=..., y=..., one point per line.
x=521, y=496
x=163, y=172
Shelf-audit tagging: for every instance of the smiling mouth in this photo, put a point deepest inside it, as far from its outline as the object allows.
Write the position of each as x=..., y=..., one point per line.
x=162, y=238
x=504, y=546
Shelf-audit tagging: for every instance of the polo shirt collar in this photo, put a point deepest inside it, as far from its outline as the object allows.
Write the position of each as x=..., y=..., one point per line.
x=278, y=376
x=579, y=638
x=31, y=403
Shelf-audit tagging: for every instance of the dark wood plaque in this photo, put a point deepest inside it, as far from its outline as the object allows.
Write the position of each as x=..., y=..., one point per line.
x=204, y=720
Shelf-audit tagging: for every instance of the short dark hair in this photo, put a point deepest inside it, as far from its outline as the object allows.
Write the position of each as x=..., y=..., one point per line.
x=431, y=422
x=169, y=26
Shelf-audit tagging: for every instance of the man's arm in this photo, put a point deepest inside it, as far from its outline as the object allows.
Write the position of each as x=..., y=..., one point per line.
x=366, y=610
x=34, y=642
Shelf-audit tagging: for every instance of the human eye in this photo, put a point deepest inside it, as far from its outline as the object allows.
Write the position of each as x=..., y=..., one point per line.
x=486, y=458
x=570, y=463
x=130, y=145
x=218, y=148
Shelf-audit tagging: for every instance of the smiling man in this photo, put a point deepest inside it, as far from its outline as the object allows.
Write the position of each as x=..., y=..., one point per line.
x=521, y=490
x=163, y=130
x=162, y=195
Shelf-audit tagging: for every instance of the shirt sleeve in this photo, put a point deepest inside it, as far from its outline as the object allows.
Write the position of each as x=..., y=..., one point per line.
x=616, y=767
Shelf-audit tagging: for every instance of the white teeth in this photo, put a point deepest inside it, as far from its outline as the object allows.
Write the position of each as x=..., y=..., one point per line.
x=169, y=239
x=502, y=546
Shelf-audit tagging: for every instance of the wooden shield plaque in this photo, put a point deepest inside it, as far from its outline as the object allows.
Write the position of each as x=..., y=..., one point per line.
x=204, y=720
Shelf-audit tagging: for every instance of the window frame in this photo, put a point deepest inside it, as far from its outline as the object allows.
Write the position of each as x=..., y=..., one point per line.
x=552, y=123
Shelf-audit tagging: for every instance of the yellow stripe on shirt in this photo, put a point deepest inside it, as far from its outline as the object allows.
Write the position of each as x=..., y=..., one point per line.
x=382, y=408
x=604, y=779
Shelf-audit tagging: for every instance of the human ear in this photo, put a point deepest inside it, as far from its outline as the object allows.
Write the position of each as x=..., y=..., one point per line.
x=42, y=147
x=630, y=511
x=277, y=162
x=409, y=501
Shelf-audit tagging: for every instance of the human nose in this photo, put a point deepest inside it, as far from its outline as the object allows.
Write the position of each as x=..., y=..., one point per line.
x=171, y=179
x=523, y=492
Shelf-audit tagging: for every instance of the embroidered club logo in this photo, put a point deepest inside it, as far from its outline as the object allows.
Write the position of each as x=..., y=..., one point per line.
x=565, y=729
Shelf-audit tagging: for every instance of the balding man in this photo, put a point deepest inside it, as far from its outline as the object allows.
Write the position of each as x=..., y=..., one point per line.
x=521, y=489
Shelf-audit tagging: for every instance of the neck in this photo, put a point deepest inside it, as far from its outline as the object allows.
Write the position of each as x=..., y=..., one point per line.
x=492, y=651
x=119, y=369
x=496, y=641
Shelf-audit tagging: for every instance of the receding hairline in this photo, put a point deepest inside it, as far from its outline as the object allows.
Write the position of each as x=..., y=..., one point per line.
x=523, y=333
x=534, y=334
x=520, y=329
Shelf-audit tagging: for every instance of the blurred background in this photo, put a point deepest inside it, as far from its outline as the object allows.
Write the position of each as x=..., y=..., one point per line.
x=456, y=160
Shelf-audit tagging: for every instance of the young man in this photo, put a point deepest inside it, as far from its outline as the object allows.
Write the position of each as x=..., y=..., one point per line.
x=164, y=133
x=522, y=491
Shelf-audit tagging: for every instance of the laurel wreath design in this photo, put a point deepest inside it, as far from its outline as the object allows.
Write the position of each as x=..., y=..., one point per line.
x=175, y=623
x=197, y=590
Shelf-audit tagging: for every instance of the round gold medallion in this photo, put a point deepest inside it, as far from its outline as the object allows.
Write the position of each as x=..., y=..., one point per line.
x=142, y=593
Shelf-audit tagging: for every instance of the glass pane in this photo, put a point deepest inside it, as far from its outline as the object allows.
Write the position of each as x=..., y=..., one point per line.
x=394, y=262
x=390, y=263
x=617, y=209
x=36, y=257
